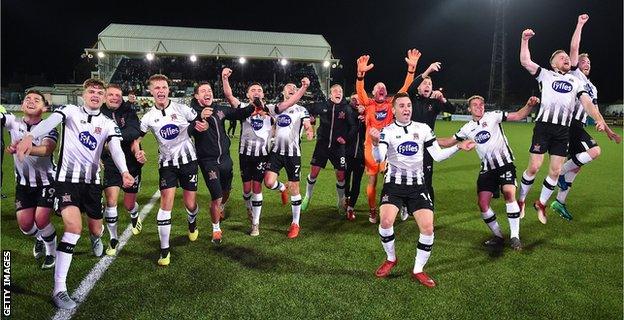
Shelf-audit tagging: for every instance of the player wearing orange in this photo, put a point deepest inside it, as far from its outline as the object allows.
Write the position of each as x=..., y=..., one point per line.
x=378, y=114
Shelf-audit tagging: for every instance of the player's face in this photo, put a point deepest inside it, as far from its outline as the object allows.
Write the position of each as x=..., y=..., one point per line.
x=561, y=62
x=425, y=88
x=336, y=94
x=131, y=98
x=159, y=89
x=93, y=97
x=255, y=91
x=204, y=95
x=477, y=108
x=584, y=65
x=33, y=105
x=379, y=91
x=403, y=109
x=289, y=90
x=114, y=98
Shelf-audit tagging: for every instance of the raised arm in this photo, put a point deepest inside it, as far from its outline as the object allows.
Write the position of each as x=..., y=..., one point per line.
x=575, y=43
x=524, y=111
x=227, y=90
x=412, y=61
x=305, y=83
x=434, y=67
x=525, y=53
x=362, y=68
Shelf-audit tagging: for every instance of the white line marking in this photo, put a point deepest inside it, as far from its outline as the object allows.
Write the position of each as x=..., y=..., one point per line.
x=98, y=270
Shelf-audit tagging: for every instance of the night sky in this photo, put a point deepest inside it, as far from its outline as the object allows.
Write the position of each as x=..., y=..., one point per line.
x=48, y=36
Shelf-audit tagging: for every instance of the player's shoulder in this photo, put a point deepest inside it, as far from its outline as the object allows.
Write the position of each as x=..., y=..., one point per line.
x=420, y=126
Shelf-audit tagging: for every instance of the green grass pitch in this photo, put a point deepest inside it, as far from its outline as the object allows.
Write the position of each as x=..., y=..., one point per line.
x=568, y=270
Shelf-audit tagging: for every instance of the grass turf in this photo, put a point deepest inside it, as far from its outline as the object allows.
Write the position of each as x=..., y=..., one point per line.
x=567, y=269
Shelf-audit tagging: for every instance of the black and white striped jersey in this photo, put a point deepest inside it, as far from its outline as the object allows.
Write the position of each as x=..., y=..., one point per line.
x=170, y=127
x=579, y=112
x=33, y=171
x=84, y=134
x=559, y=95
x=492, y=146
x=288, y=125
x=255, y=134
x=405, y=150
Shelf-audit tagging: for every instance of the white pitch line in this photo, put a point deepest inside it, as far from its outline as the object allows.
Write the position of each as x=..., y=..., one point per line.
x=98, y=270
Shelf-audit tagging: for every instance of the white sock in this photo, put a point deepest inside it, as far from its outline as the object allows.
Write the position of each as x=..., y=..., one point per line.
x=247, y=199
x=163, y=220
x=576, y=162
x=134, y=212
x=256, y=208
x=387, y=241
x=64, y=256
x=423, y=251
x=547, y=189
x=525, y=185
x=216, y=227
x=513, y=215
x=489, y=217
x=34, y=232
x=310, y=187
x=191, y=215
x=295, y=204
x=340, y=191
x=48, y=235
x=278, y=186
x=569, y=178
x=111, y=217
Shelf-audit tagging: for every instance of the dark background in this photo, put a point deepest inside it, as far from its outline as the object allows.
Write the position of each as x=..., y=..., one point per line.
x=42, y=40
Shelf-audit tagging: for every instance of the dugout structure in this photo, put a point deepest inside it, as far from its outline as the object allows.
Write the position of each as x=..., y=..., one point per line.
x=118, y=41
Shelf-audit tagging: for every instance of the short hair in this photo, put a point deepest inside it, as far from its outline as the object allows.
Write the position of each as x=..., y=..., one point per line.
x=93, y=82
x=425, y=78
x=552, y=56
x=114, y=86
x=476, y=96
x=254, y=84
x=397, y=96
x=37, y=92
x=202, y=83
x=334, y=86
x=157, y=77
x=131, y=92
x=583, y=55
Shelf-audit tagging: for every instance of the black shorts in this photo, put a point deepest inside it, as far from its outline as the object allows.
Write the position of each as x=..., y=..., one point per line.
x=87, y=197
x=291, y=164
x=31, y=197
x=494, y=180
x=580, y=140
x=551, y=138
x=218, y=176
x=335, y=154
x=112, y=178
x=252, y=168
x=414, y=197
x=184, y=176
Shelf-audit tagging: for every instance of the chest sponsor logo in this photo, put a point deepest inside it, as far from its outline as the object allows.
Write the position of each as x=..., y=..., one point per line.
x=257, y=124
x=283, y=120
x=408, y=148
x=482, y=137
x=381, y=115
x=562, y=86
x=87, y=140
x=169, y=132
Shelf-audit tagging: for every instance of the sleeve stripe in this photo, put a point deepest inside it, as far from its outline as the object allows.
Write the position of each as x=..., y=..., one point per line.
x=578, y=95
x=458, y=138
x=429, y=143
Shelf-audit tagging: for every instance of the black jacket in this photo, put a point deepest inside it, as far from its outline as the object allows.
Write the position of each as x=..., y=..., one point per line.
x=214, y=144
x=355, y=143
x=336, y=121
x=128, y=122
x=425, y=109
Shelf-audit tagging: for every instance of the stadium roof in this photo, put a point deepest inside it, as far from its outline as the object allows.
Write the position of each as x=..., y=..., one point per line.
x=129, y=39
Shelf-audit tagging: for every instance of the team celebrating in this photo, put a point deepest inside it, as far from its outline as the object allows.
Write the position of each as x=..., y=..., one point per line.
x=391, y=135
